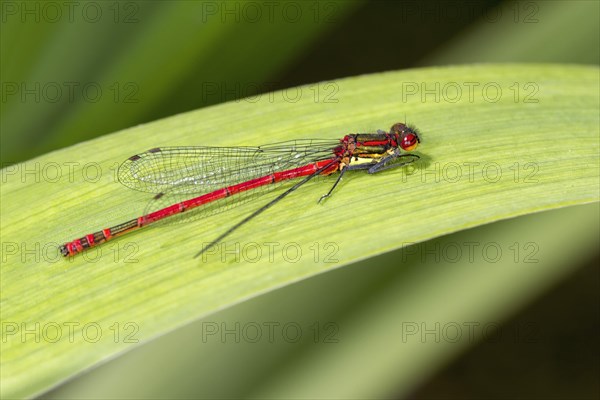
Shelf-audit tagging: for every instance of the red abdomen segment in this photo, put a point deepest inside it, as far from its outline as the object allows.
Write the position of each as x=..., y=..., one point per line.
x=94, y=239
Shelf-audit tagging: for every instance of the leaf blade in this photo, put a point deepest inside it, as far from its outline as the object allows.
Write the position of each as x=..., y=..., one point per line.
x=166, y=288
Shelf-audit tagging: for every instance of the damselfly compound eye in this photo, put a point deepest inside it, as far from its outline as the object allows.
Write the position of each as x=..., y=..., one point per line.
x=399, y=128
x=407, y=137
x=409, y=141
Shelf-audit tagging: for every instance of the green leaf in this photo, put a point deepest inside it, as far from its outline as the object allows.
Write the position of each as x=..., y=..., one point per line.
x=498, y=141
x=140, y=59
x=376, y=328
x=438, y=299
x=513, y=32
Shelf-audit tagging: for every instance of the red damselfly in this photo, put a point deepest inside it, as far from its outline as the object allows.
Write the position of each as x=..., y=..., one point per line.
x=212, y=174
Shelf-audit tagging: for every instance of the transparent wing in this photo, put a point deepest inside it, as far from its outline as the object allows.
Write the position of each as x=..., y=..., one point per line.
x=198, y=170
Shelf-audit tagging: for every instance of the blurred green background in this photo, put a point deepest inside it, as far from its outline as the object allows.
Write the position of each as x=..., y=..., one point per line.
x=74, y=71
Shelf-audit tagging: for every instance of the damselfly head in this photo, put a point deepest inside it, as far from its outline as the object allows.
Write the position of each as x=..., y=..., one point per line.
x=408, y=138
